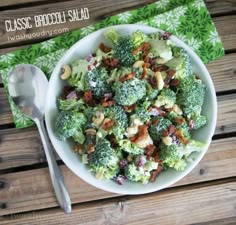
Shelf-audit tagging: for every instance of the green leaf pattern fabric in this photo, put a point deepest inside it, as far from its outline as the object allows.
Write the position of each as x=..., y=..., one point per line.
x=187, y=19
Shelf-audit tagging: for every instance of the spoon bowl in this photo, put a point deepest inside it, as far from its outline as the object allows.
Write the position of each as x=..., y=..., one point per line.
x=28, y=89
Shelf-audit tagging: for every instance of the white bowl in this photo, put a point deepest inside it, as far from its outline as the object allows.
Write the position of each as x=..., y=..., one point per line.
x=89, y=45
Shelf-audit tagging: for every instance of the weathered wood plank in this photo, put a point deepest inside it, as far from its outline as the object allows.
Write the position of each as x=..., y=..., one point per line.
x=226, y=114
x=227, y=30
x=20, y=147
x=97, y=12
x=215, y=7
x=225, y=221
x=218, y=7
x=4, y=3
x=223, y=72
x=31, y=190
x=5, y=111
x=167, y=208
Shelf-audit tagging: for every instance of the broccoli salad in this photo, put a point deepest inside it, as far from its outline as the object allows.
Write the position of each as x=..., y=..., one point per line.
x=131, y=108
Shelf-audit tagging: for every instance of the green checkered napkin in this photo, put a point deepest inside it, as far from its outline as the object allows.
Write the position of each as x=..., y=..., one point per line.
x=187, y=19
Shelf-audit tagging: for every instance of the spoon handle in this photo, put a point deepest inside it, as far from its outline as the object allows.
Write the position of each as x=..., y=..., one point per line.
x=57, y=179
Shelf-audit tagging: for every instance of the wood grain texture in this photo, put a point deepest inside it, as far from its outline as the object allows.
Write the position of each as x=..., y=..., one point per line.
x=225, y=221
x=167, y=207
x=20, y=147
x=5, y=111
x=4, y=3
x=31, y=190
x=223, y=72
x=219, y=7
x=227, y=30
x=226, y=114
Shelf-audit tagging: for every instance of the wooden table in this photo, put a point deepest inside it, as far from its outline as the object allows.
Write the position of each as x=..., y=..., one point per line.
x=206, y=196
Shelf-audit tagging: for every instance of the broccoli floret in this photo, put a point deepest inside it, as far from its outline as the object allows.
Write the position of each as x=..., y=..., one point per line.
x=134, y=174
x=127, y=146
x=100, y=54
x=199, y=122
x=151, y=92
x=172, y=115
x=104, y=161
x=112, y=35
x=68, y=123
x=190, y=95
x=156, y=130
x=129, y=92
x=172, y=157
x=79, y=136
x=124, y=46
x=138, y=38
x=181, y=63
x=192, y=146
x=118, y=114
x=166, y=98
x=70, y=104
x=160, y=48
x=123, y=50
x=142, y=112
x=96, y=81
x=79, y=70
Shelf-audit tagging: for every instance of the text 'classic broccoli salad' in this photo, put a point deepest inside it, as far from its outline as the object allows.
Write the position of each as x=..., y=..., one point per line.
x=131, y=108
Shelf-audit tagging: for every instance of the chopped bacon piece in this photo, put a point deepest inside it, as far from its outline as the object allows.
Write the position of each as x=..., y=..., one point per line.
x=144, y=72
x=108, y=124
x=164, y=133
x=106, y=103
x=149, y=150
x=142, y=133
x=143, y=47
x=110, y=63
x=104, y=48
x=95, y=63
x=171, y=129
x=155, y=173
x=170, y=74
x=90, y=148
x=89, y=67
x=152, y=81
x=112, y=139
x=88, y=97
x=149, y=123
x=179, y=120
x=160, y=68
x=156, y=122
x=181, y=137
x=129, y=108
x=157, y=157
x=126, y=77
x=174, y=82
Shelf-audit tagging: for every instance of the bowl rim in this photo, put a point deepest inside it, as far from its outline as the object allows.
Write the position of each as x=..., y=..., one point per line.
x=181, y=174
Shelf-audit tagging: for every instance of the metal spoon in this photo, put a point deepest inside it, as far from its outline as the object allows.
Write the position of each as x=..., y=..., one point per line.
x=28, y=89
